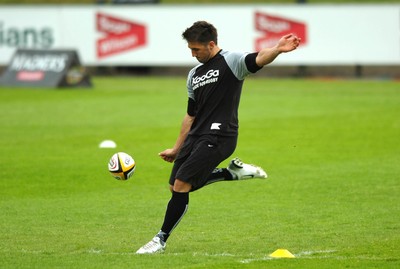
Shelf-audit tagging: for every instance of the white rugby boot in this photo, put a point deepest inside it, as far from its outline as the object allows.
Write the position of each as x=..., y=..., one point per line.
x=241, y=170
x=156, y=245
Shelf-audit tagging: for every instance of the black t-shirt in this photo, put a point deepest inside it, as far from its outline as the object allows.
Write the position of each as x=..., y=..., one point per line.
x=214, y=90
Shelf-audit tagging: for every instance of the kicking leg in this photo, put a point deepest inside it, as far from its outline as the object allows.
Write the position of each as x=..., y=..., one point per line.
x=235, y=171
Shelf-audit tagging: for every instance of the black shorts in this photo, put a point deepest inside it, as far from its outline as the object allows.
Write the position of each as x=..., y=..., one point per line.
x=199, y=156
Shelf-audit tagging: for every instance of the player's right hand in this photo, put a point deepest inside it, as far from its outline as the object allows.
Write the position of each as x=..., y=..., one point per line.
x=168, y=155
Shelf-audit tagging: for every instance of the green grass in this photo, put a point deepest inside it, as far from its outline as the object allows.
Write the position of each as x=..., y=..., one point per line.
x=331, y=149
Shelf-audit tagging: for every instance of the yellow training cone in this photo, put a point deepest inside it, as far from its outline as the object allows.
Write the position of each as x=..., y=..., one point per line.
x=281, y=253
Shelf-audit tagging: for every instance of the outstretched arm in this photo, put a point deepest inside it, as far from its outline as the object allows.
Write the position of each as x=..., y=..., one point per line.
x=169, y=155
x=285, y=44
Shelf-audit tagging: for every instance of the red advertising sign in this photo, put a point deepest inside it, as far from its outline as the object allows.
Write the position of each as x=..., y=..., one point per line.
x=274, y=27
x=30, y=76
x=120, y=35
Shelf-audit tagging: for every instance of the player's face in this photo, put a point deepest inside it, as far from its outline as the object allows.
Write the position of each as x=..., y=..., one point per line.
x=202, y=52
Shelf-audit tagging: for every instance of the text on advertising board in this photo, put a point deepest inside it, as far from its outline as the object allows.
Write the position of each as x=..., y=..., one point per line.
x=121, y=35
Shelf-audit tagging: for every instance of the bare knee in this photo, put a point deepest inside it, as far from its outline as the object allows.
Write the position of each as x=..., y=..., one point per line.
x=181, y=186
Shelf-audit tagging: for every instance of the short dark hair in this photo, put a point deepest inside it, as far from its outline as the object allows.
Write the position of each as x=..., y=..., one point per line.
x=202, y=32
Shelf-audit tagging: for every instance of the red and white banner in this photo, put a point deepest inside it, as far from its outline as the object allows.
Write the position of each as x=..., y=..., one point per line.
x=150, y=35
x=120, y=35
x=272, y=28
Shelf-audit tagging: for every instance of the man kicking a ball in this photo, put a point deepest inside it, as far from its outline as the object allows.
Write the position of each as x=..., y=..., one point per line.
x=209, y=129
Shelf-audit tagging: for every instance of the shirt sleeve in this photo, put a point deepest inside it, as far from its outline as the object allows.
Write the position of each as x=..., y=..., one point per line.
x=191, y=106
x=241, y=64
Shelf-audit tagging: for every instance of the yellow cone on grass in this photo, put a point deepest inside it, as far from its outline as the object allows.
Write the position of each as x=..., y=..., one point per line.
x=281, y=253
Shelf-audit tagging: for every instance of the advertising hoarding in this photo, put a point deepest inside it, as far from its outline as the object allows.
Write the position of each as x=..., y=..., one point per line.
x=142, y=35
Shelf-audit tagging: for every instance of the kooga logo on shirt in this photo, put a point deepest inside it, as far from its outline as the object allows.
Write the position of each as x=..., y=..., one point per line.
x=210, y=77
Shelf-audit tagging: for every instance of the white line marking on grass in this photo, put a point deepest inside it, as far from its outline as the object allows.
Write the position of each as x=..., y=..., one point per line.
x=265, y=258
x=307, y=254
x=318, y=254
x=95, y=251
x=313, y=252
x=224, y=254
x=302, y=254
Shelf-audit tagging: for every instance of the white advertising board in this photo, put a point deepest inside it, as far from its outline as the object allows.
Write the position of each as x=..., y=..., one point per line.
x=150, y=35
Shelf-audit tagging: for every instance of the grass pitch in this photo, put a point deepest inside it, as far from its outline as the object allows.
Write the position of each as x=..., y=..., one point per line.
x=331, y=149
